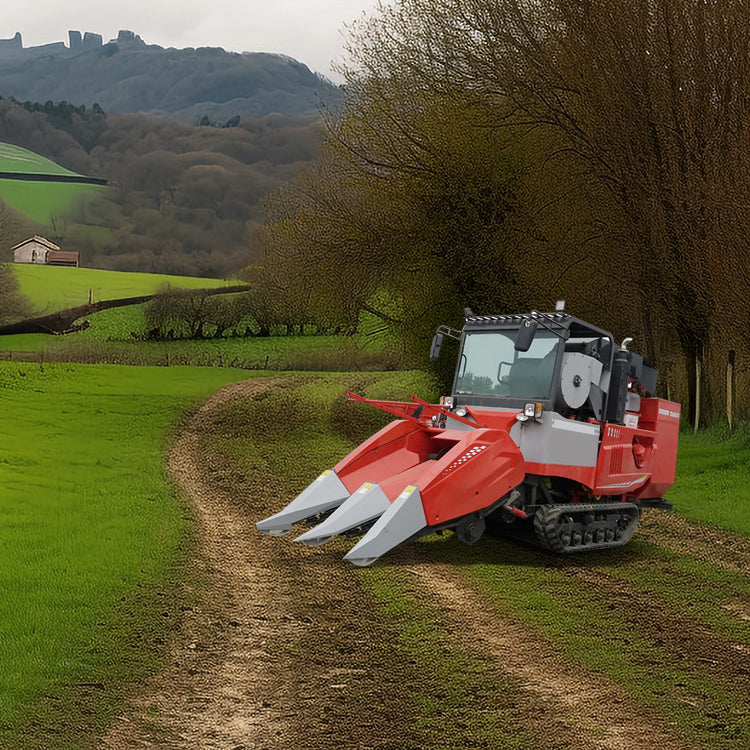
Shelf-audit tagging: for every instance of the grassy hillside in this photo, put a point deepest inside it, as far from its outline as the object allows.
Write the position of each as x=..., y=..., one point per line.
x=183, y=199
x=17, y=159
x=54, y=288
x=40, y=201
x=43, y=201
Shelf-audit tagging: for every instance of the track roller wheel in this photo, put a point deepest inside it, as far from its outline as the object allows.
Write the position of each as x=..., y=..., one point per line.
x=570, y=528
x=470, y=530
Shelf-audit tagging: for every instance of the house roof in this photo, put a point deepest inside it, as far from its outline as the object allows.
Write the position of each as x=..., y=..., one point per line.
x=61, y=256
x=41, y=240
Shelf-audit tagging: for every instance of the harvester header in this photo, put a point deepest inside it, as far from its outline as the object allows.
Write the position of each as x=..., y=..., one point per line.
x=552, y=433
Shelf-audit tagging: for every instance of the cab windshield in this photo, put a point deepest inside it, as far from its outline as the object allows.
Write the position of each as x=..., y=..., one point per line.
x=491, y=366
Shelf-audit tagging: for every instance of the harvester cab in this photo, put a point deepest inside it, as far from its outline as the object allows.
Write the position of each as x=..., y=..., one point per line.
x=552, y=433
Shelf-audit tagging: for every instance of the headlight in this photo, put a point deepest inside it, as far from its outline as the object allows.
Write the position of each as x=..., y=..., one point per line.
x=532, y=411
x=460, y=412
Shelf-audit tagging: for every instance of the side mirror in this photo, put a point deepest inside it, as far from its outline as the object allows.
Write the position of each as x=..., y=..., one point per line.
x=525, y=335
x=437, y=342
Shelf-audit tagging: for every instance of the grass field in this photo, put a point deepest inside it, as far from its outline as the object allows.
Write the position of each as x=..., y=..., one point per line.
x=91, y=537
x=110, y=338
x=713, y=476
x=90, y=530
x=17, y=159
x=53, y=288
x=40, y=201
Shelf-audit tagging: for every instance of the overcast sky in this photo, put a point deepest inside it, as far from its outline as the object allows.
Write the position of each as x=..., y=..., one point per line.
x=308, y=30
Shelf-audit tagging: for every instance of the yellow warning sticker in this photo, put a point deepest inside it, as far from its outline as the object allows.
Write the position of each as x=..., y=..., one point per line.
x=324, y=474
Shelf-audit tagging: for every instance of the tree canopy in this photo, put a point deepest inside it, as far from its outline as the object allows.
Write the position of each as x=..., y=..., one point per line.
x=500, y=155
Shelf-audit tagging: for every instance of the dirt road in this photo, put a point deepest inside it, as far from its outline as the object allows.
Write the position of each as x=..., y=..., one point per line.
x=285, y=648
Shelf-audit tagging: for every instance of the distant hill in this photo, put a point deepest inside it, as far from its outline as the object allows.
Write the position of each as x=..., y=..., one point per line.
x=21, y=160
x=127, y=75
x=180, y=199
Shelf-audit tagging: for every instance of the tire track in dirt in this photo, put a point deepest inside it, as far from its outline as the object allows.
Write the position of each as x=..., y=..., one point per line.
x=272, y=656
x=715, y=546
x=683, y=635
x=587, y=709
x=692, y=647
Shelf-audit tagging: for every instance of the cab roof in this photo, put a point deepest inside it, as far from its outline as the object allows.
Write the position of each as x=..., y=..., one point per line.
x=557, y=321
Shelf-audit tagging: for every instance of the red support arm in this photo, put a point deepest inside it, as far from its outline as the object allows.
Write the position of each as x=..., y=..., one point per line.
x=418, y=411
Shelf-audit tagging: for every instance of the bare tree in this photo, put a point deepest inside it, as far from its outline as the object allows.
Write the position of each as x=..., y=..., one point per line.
x=640, y=111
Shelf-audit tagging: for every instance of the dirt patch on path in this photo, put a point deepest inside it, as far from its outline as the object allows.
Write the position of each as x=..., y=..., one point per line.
x=208, y=696
x=586, y=709
x=716, y=546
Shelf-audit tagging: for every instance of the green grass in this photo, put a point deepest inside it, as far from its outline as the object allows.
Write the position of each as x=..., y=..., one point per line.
x=41, y=201
x=90, y=533
x=713, y=477
x=17, y=159
x=53, y=288
x=117, y=336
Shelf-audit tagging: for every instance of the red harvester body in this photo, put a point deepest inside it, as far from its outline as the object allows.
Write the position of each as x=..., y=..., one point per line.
x=551, y=432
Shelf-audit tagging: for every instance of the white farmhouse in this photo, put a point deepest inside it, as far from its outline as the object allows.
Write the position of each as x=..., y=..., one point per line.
x=40, y=250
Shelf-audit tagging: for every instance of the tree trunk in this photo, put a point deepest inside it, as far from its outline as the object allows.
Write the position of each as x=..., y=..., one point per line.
x=730, y=389
x=698, y=369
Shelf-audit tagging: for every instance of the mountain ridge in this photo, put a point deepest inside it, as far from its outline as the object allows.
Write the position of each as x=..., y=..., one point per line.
x=127, y=75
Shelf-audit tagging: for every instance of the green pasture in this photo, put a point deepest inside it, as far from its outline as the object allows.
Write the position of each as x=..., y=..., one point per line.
x=112, y=335
x=713, y=476
x=117, y=336
x=53, y=288
x=90, y=532
x=17, y=159
x=41, y=201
